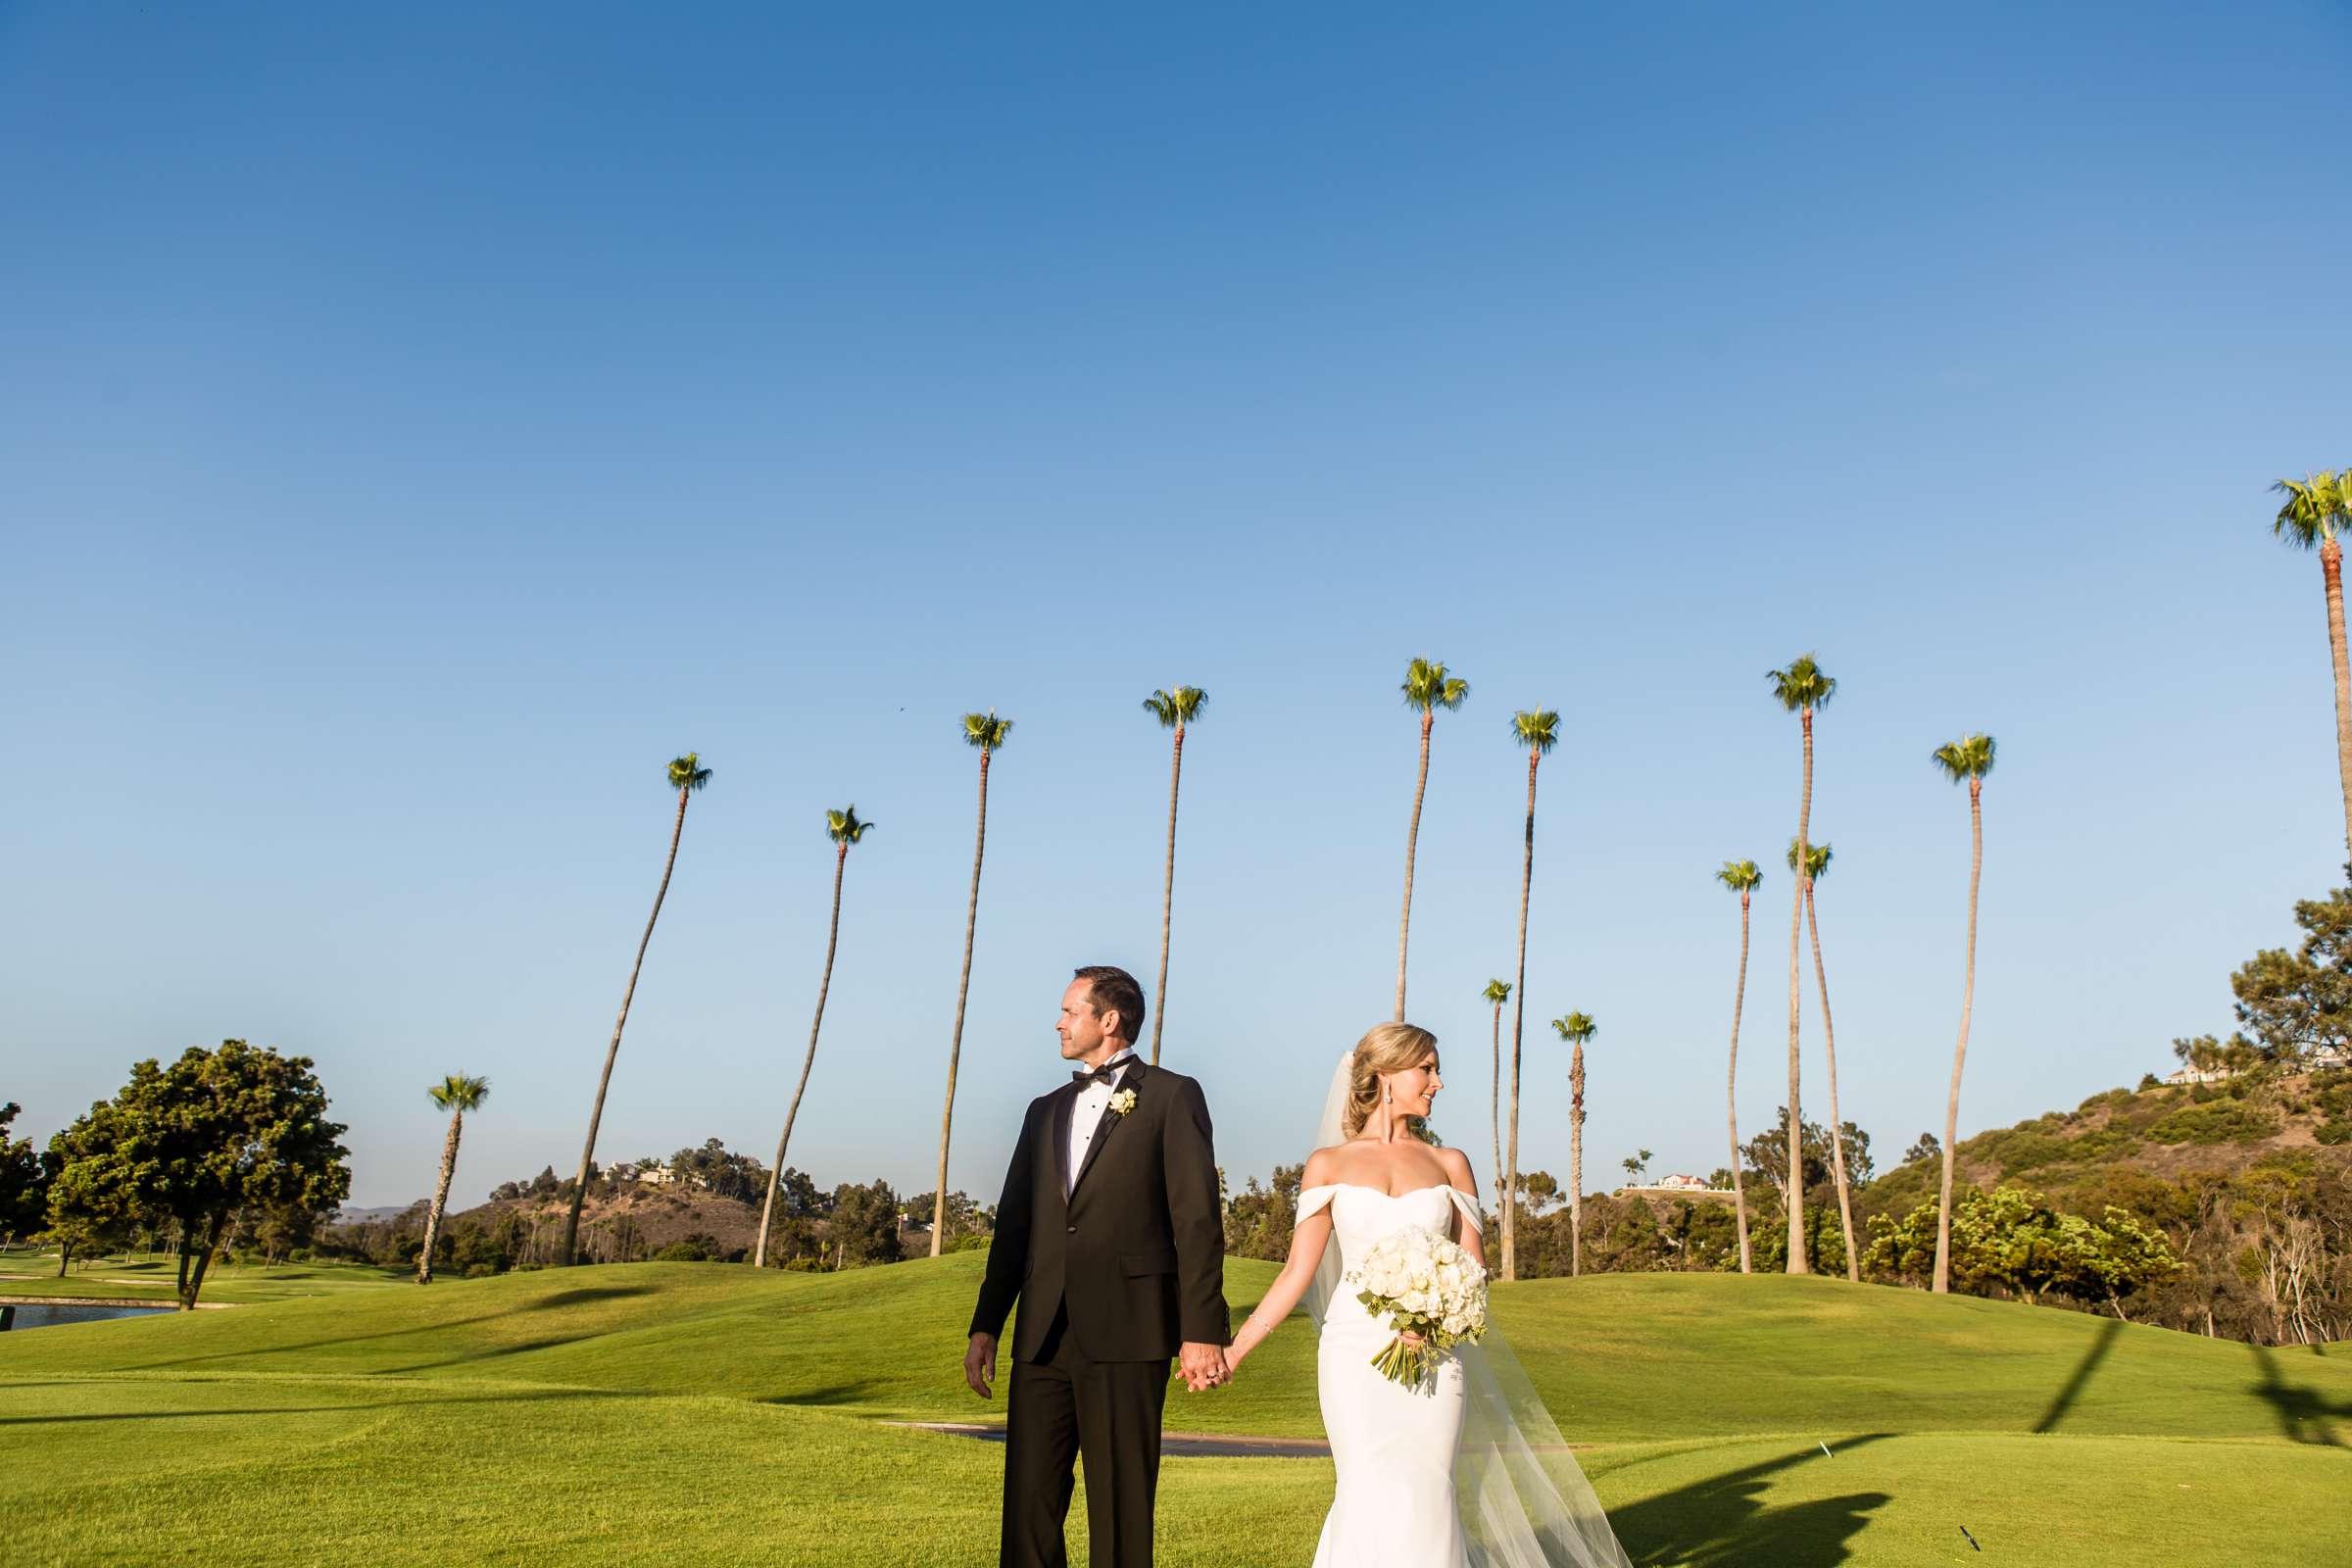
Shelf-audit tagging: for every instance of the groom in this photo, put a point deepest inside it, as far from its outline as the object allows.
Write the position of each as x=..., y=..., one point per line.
x=1110, y=1234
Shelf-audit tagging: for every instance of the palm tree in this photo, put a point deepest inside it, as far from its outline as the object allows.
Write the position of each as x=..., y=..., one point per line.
x=1497, y=992
x=2316, y=507
x=1576, y=1029
x=1801, y=689
x=456, y=1094
x=1741, y=877
x=687, y=776
x=844, y=828
x=1174, y=710
x=1968, y=759
x=1817, y=866
x=988, y=732
x=1538, y=730
x=1428, y=688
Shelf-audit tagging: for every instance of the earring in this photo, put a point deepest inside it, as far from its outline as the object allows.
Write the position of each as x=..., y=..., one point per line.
x=1387, y=1094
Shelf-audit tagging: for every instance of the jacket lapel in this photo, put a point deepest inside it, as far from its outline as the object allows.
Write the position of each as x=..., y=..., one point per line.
x=1132, y=1077
x=1058, y=1126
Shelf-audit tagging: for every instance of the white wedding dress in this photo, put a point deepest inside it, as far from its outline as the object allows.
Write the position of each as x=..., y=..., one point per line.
x=1467, y=1470
x=1394, y=1446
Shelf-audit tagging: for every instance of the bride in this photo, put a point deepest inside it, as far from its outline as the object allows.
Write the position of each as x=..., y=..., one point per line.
x=1466, y=1471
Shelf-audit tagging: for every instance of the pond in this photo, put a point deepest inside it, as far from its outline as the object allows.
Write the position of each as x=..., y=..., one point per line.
x=42, y=1316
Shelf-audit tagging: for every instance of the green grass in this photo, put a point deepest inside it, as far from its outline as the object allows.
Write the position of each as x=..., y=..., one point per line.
x=687, y=1413
x=136, y=1280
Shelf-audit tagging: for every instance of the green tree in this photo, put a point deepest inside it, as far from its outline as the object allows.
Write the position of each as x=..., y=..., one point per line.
x=1576, y=1029
x=24, y=1180
x=1427, y=688
x=987, y=732
x=1174, y=710
x=1817, y=866
x=844, y=828
x=1964, y=760
x=865, y=1224
x=456, y=1094
x=1538, y=730
x=1741, y=877
x=1497, y=993
x=1638, y=1166
x=213, y=1133
x=1801, y=689
x=687, y=775
x=2293, y=1003
x=2316, y=507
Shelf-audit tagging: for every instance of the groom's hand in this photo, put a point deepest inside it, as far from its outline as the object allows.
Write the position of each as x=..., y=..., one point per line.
x=980, y=1364
x=1203, y=1365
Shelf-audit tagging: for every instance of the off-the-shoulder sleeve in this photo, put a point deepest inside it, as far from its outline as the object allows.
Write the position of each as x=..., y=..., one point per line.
x=1468, y=1205
x=1314, y=1199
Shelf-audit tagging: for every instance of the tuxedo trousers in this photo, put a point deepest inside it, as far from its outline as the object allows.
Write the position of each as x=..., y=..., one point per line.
x=1062, y=1407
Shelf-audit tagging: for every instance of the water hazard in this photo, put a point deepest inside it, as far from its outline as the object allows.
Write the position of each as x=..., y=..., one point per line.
x=42, y=1316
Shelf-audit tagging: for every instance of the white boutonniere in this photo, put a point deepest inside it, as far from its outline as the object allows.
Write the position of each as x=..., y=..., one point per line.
x=1122, y=1102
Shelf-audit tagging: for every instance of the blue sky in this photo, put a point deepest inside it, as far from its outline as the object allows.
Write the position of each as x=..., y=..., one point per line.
x=421, y=426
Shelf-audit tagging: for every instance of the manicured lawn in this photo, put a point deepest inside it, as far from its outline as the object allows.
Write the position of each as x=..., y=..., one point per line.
x=698, y=1413
x=138, y=1280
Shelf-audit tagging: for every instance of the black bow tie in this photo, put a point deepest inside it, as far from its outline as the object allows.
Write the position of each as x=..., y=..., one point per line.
x=1107, y=1074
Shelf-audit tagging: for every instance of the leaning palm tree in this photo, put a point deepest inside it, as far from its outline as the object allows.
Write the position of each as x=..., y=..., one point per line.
x=1174, y=710
x=1497, y=992
x=2316, y=507
x=844, y=828
x=1801, y=689
x=1428, y=688
x=687, y=776
x=456, y=1094
x=1741, y=877
x=1576, y=1029
x=1817, y=866
x=1538, y=730
x=1968, y=759
x=988, y=732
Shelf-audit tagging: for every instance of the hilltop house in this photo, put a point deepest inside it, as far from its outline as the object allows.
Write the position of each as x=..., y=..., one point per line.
x=2320, y=1060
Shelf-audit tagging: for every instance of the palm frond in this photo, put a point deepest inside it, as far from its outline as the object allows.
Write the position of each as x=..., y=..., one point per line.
x=1536, y=728
x=1802, y=685
x=1497, y=992
x=1817, y=859
x=1969, y=757
x=1182, y=706
x=1576, y=1028
x=843, y=826
x=1739, y=875
x=985, y=730
x=2317, y=505
x=687, y=772
x=1428, y=686
x=457, y=1092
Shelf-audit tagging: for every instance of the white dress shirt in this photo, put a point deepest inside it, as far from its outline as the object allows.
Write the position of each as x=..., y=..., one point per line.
x=1086, y=1114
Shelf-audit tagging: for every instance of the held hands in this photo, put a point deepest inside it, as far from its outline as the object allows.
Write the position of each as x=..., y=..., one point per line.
x=1203, y=1365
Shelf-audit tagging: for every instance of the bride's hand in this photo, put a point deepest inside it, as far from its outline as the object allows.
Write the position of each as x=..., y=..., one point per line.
x=1413, y=1339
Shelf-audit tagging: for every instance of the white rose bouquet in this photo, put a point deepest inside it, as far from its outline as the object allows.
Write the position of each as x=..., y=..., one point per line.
x=1424, y=1285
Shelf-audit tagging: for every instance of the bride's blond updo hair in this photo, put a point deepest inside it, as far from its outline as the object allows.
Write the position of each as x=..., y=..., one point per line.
x=1385, y=1047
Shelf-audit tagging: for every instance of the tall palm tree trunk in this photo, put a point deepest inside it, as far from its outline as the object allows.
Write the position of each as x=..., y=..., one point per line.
x=596, y=1114
x=1495, y=1106
x=1968, y=999
x=1797, y=1262
x=1828, y=1039
x=768, y=1210
x=1412, y=840
x=1168, y=894
x=1510, y=1169
x=963, y=986
x=1576, y=1163
x=1731, y=1097
x=432, y=1219
x=2331, y=568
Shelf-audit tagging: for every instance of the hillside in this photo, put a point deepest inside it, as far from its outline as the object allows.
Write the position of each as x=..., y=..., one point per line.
x=717, y=1404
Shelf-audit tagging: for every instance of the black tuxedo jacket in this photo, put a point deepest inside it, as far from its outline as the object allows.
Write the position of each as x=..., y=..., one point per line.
x=1132, y=1243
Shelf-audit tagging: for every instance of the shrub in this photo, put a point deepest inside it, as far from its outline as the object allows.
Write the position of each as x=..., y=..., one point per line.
x=2225, y=1123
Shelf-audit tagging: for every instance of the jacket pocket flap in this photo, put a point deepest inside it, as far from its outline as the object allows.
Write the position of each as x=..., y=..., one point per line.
x=1139, y=1264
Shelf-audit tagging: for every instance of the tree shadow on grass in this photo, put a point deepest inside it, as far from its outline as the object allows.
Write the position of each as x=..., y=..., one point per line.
x=1724, y=1520
x=832, y=1393
x=2080, y=1379
x=2305, y=1416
